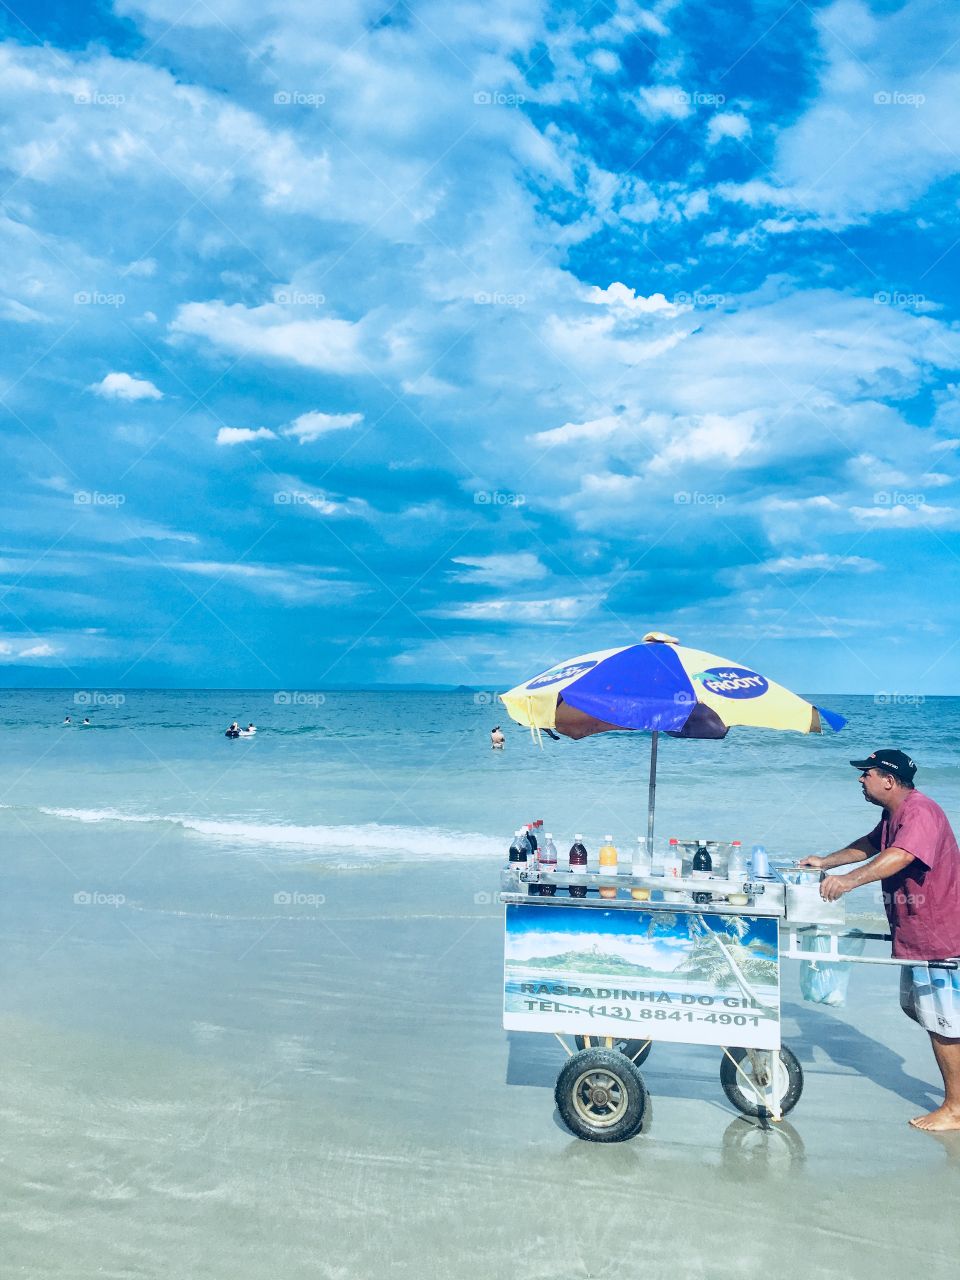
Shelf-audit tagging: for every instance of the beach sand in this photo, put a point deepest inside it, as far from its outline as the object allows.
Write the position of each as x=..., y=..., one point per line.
x=209, y=1082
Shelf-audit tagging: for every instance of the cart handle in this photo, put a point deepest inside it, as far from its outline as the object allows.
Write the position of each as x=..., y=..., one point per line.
x=834, y=955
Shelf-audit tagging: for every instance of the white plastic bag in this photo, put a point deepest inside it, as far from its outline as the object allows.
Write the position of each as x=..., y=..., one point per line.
x=826, y=981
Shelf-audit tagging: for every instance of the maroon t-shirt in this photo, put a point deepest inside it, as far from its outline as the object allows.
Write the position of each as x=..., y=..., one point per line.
x=922, y=900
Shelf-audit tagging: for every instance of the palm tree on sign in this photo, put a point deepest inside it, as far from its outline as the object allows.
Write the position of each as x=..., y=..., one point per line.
x=720, y=960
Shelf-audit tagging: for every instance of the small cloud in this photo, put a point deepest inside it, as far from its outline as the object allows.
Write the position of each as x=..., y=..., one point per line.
x=500, y=570
x=664, y=100
x=819, y=563
x=122, y=386
x=618, y=295
x=906, y=516
x=571, y=432
x=605, y=60
x=727, y=124
x=310, y=426
x=38, y=651
x=144, y=267
x=59, y=484
x=243, y=435
x=556, y=610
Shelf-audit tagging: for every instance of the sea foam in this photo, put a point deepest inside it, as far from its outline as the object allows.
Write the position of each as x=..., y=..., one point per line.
x=370, y=840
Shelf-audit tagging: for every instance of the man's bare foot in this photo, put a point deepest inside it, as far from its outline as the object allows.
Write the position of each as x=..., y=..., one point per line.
x=937, y=1121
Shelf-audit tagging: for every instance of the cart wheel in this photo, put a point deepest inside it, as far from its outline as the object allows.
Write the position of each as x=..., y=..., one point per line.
x=601, y=1096
x=636, y=1050
x=750, y=1067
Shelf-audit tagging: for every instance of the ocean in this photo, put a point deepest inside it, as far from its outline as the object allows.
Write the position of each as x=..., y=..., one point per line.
x=251, y=990
x=365, y=778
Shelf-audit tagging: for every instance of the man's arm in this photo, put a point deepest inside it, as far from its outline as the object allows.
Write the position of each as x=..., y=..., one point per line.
x=859, y=851
x=883, y=865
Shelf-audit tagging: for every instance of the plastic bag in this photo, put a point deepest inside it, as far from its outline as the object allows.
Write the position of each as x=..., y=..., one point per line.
x=826, y=982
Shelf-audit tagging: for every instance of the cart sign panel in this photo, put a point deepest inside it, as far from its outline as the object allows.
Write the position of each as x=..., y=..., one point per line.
x=687, y=976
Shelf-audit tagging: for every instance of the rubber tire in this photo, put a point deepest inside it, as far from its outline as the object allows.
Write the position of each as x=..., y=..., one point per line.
x=611, y=1063
x=638, y=1051
x=748, y=1105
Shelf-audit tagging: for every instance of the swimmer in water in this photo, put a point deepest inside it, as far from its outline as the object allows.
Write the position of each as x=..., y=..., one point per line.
x=497, y=739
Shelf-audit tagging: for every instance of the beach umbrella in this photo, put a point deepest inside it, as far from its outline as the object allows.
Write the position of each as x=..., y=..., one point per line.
x=659, y=686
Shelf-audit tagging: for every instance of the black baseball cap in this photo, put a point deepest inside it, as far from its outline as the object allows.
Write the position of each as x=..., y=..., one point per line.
x=890, y=761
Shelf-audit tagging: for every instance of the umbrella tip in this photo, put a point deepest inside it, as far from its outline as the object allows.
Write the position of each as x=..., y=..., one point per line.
x=659, y=637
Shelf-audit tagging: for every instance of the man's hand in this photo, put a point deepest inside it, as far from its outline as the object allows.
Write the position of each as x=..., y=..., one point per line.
x=812, y=864
x=834, y=887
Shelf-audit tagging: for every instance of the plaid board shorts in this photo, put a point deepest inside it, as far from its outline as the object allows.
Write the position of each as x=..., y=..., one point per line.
x=932, y=998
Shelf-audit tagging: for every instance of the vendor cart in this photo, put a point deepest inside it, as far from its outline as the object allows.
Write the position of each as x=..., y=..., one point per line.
x=662, y=960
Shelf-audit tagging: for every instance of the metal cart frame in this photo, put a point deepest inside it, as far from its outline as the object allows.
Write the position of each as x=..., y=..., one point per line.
x=600, y=1091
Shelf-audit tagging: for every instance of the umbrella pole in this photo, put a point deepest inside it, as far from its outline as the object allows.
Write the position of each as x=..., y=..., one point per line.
x=652, y=792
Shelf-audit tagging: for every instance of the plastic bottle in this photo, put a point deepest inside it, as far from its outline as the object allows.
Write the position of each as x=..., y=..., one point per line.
x=531, y=838
x=759, y=863
x=701, y=869
x=738, y=866
x=642, y=866
x=672, y=866
x=518, y=847
x=547, y=857
x=578, y=863
x=607, y=858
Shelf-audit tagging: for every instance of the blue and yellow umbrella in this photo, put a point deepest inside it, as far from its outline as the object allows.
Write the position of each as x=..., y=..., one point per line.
x=659, y=686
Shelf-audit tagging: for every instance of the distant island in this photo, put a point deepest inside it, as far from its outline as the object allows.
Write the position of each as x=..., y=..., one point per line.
x=591, y=962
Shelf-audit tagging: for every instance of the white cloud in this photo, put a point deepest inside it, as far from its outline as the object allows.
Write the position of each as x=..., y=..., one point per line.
x=293, y=493
x=713, y=438
x=123, y=386
x=269, y=331
x=310, y=426
x=606, y=61
x=664, y=100
x=243, y=435
x=881, y=129
x=819, y=562
x=38, y=651
x=727, y=124
x=551, y=611
x=292, y=584
x=908, y=513
x=620, y=295
x=143, y=267
x=500, y=570
x=572, y=432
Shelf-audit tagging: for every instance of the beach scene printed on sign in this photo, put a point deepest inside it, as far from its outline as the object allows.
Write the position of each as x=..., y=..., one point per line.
x=685, y=976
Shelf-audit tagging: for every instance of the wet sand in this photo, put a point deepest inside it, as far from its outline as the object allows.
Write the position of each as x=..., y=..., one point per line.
x=204, y=1082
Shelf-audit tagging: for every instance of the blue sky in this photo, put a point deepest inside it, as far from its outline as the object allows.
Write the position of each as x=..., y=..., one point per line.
x=438, y=342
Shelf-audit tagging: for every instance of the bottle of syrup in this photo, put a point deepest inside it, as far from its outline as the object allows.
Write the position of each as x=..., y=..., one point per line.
x=701, y=869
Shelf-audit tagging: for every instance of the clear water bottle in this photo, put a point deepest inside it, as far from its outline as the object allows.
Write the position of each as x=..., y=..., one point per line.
x=759, y=863
x=547, y=857
x=738, y=866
